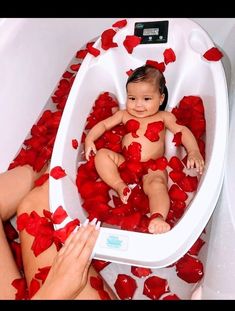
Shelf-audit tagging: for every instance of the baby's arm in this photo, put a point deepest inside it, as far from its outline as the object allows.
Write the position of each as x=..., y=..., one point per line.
x=188, y=140
x=99, y=129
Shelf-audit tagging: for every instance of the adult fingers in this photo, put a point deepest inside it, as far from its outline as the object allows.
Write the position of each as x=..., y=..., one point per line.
x=77, y=244
x=67, y=243
x=74, y=235
x=85, y=255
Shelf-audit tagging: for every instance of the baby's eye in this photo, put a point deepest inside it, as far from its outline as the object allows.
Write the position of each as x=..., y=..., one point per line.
x=147, y=98
x=131, y=98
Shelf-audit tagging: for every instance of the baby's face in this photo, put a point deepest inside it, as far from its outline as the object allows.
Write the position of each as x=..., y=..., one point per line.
x=143, y=99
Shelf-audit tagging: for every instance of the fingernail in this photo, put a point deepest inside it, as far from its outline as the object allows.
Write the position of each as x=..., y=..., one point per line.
x=97, y=225
x=86, y=222
x=93, y=221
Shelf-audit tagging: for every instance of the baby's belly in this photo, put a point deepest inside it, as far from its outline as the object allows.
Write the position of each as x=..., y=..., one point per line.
x=149, y=150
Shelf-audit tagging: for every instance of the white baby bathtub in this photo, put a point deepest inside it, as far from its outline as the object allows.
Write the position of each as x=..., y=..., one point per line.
x=191, y=74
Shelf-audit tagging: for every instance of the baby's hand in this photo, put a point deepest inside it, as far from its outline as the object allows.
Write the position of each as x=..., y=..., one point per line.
x=195, y=158
x=89, y=148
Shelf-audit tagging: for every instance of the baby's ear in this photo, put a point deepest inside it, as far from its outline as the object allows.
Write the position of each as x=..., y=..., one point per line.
x=162, y=99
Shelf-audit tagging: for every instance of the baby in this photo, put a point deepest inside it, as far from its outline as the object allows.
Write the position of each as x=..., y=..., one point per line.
x=146, y=127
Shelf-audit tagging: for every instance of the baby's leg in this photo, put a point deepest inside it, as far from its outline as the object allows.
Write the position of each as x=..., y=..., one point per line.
x=107, y=163
x=37, y=200
x=155, y=187
x=14, y=185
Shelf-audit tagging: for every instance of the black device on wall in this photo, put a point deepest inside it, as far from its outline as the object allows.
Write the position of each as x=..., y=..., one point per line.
x=152, y=32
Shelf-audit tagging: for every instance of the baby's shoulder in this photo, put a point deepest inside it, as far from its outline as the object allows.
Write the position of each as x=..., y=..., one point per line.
x=164, y=115
x=126, y=115
x=119, y=113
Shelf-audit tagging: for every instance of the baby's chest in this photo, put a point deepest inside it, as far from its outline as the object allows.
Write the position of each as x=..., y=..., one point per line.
x=151, y=131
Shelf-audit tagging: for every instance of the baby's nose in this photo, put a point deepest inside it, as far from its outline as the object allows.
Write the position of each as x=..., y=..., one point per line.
x=139, y=103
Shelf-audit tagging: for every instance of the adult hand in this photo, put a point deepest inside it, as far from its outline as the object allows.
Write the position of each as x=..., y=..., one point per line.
x=68, y=273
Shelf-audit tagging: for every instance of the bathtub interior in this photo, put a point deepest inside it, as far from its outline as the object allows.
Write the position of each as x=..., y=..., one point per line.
x=189, y=75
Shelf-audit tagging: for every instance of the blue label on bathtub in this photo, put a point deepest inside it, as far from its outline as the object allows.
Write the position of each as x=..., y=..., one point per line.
x=113, y=241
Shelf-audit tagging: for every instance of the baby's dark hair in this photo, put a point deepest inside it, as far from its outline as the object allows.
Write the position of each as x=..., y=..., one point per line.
x=148, y=73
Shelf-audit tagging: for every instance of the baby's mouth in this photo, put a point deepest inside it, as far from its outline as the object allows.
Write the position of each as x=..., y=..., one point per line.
x=139, y=110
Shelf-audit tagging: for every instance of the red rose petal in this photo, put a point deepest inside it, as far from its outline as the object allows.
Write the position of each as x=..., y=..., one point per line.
x=194, y=250
x=10, y=231
x=213, y=54
x=171, y=297
x=177, y=139
x=57, y=172
x=189, y=183
x=154, y=287
x=153, y=130
x=107, y=39
x=93, y=51
x=99, y=264
x=59, y=215
x=159, y=66
x=176, y=164
x=189, y=269
x=75, y=67
x=169, y=56
x=42, y=242
x=126, y=190
x=43, y=273
x=34, y=223
x=125, y=286
x=104, y=295
x=161, y=163
x=176, y=176
x=140, y=272
x=63, y=233
x=16, y=250
x=99, y=211
x=41, y=180
x=129, y=72
x=132, y=126
x=75, y=143
x=47, y=214
x=81, y=54
x=96, y=282
x=131, y=222
x=133, y=152
x=67, y=74
x=120, y=24
x=21, y=286
x=178, y=208
x=131, y=42
x=33, y=287
x=176, y=194
x=22, y=221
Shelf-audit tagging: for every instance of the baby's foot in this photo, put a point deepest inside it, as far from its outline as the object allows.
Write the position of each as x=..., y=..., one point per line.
x=123, y=192
x=158, y=225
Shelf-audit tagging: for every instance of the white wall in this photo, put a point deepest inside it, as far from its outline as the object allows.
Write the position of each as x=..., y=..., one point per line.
x=217, y=28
